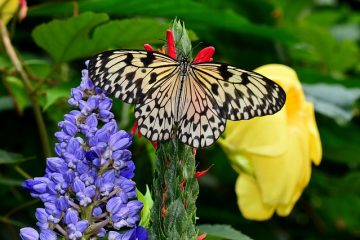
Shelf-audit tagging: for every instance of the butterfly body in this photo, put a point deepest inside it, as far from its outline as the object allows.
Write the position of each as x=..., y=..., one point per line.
x=190, y=101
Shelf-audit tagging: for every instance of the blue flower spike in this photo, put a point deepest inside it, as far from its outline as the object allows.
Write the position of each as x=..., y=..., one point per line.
x=87, y=189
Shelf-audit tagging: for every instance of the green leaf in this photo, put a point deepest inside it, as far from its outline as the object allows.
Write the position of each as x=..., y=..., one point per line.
x=313, y=76
x=6, y=103
x=221, y=232
x=146, y=210
x=90, y=33
x=57, y=92
x=38, y=67
x=18, y=92
x=63, y=47
x=316, y=47
x=339, y=108
x=4, y=62
x=197, y=15
x=341, y=208
x=340, y=144
x=11, y=158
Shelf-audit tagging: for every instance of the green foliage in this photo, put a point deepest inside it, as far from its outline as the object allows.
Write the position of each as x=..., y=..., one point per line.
x=319, y=39
x=221, y=232
x=10, y=157
x=89, y=29
x=146, y=210
x=17, y=90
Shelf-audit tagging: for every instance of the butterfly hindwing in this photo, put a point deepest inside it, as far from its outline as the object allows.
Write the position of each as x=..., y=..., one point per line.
x=155, y=112
x=241, y=94
x=202, y=121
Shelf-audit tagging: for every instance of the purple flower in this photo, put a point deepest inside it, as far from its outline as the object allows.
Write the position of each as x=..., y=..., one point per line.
x=47, y=234
x=75, y=227
x=137, y=233
x=91, y=174
x=42, y=217
x=29, y=233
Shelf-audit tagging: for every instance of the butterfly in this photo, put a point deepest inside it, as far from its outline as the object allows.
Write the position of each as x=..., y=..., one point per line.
x=178, y=98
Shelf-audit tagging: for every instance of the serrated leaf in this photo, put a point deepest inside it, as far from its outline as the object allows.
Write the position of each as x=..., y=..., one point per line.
x=11, y=158
x=146, y=210
x=90, y=33
x=57, y=92
x=221, y=232
x=18, y=92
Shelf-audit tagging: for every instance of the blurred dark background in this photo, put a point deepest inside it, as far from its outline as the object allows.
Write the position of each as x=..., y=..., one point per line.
x=317, y=38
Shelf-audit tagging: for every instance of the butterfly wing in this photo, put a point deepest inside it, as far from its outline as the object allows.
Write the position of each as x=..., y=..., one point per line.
x=156, y=112
x=241, y=94
x=202, y=120
x=148, y=79
x=218, y=92
x=129, y=74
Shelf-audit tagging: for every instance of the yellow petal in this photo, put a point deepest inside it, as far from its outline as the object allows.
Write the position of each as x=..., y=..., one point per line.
x=249, y=199
x=315, y=143
x=255, y=135
x=279, y=178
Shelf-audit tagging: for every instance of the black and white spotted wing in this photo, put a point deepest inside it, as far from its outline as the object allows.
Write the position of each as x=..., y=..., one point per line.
x=183, y=100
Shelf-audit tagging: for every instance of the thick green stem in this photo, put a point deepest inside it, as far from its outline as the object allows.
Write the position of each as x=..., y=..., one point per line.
x=175, y=191
x=34, y=102
x=175, y=187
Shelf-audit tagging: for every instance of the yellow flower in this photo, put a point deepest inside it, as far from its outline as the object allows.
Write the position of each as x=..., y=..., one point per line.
x=7, y=9
x=273, y=154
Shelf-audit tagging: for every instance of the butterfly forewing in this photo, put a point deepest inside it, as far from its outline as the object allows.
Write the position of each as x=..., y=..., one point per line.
x=240, y=94
x=148, y=79
x=128, y=74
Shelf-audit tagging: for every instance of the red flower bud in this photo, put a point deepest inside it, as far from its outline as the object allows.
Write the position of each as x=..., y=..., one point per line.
x=148, y=47
x=205, y=55
x=171, y=51
x=202, y=236
x=199, y=174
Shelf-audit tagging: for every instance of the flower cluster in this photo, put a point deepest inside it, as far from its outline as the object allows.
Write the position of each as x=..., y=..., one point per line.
x=87, y=189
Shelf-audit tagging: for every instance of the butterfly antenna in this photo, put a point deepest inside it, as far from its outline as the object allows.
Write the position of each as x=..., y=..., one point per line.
x=195, y=47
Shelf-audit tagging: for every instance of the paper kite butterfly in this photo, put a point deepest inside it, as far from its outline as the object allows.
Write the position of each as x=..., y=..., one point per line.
x=181, y=99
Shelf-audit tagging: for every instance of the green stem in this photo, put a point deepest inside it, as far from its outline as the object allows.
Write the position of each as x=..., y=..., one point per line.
x=175, y=191
x=34, y=102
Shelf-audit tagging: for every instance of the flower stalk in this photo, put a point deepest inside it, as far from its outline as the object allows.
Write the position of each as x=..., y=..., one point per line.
x=10, y=50
x=175, y=192
x=175, y=187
